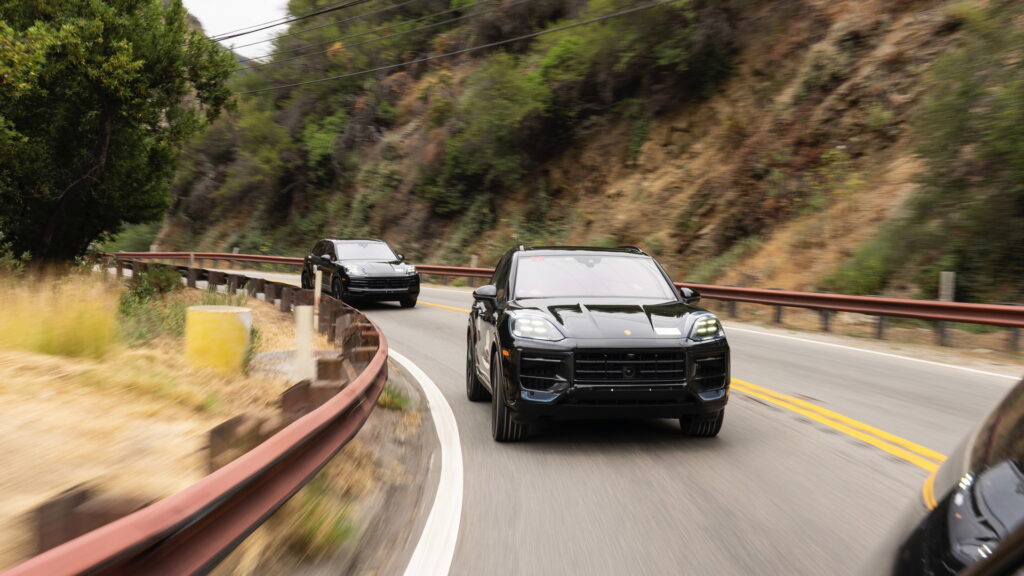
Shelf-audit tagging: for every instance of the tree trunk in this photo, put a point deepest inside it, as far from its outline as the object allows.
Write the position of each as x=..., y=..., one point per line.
x=79, y=188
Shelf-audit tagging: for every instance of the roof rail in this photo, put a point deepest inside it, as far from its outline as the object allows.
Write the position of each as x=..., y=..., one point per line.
x=634, y=249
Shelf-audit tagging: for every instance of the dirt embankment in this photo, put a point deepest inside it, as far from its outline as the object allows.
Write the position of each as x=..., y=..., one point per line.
x=133, y=422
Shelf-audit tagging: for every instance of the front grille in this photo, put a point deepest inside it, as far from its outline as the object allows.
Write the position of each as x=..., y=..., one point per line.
x=380, y=283
x=627, y=366
x=541, y=372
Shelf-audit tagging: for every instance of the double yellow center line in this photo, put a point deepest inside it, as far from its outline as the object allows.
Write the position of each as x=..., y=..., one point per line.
x=899, y=447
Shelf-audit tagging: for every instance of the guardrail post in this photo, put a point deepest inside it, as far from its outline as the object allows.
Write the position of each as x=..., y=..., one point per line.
x=214, y=280
x=474, y=261
x=52, y=527
x=947, y=293
x=302, y=297
x=880, y=326
x=941, y=338
x=232, y=284
x=1013, y=340
x=340, y=325
x=286, y=299
x=77, y=511
x=826, y=320
x=119, y=268
x=731, y=308
x=192, y=277
x=270, y=291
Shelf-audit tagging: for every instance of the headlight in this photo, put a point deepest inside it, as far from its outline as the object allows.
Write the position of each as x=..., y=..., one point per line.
x=410, y=269
x=355, y=270
x=535, y=327
x=706, y=327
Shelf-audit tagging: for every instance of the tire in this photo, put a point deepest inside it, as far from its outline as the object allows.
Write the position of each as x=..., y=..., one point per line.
x=408, y=302
x=703, y=426
x=307, y=282
x=475, y=390
x=338, y=291
x=503, y=427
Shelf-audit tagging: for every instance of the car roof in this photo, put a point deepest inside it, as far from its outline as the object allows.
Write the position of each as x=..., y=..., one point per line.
x=554, y=250
x=355, y=241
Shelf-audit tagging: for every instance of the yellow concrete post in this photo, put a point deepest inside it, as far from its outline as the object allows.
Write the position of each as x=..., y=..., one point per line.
x=217, y=337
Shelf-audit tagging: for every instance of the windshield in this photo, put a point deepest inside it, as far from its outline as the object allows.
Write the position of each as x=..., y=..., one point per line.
x=605, y=276
x=364, y=251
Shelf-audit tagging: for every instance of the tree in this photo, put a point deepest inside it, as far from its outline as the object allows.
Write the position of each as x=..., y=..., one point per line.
x=97, y=98
x=971, y=136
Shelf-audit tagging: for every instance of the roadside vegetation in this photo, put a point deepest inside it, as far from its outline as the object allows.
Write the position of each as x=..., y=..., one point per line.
x=94, y=388
x=96, y=100
x=968, y=214
x=757, y=143
x=477, y=125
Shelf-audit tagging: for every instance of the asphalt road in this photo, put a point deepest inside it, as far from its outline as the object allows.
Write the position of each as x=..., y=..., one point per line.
x=780, y=491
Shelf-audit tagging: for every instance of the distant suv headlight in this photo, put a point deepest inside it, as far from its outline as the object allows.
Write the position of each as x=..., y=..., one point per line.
x=355, y=270
x=410, y=269
x=536, y=327
x=706, y=327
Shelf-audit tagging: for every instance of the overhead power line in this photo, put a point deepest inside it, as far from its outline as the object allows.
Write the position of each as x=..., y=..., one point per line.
x=326, y=42
x=389, y=36
x=312, y=28
x=471, y=48
x=267, y=25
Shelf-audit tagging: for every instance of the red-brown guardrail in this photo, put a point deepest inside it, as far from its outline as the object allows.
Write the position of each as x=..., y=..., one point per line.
x=993, y=314
x=189, y=532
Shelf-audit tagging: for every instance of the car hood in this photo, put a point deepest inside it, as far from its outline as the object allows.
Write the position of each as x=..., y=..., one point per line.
x=378, y=268
x=603, y=319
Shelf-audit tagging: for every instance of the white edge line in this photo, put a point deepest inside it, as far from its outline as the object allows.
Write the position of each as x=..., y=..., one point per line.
x=912, y=359
x=436, y=547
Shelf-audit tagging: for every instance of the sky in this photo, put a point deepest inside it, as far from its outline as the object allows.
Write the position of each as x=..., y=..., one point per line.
x=220, y=16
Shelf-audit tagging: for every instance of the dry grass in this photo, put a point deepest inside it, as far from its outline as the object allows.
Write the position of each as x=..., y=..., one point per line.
x=77, y=405
x=69, y=316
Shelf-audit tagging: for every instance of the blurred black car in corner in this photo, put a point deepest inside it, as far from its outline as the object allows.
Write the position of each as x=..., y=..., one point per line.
x=969, y=517
x=362, y=269
x=571, y=332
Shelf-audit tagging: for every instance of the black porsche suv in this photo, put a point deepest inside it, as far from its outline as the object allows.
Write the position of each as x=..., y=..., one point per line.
x=567, y=332
x=362, y=269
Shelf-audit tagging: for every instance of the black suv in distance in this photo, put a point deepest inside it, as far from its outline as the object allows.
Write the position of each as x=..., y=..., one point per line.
x=567, y=332
x=362, y=269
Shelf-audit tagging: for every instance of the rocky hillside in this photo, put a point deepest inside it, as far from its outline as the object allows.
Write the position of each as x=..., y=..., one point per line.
x=857, y=146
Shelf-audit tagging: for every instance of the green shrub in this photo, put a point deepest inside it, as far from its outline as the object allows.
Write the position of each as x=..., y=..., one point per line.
x=391, y=398
x=712, y=269
x=879, y=118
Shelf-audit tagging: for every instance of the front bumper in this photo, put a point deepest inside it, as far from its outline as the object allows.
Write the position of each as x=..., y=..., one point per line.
x=653, y=379
x=384, y=287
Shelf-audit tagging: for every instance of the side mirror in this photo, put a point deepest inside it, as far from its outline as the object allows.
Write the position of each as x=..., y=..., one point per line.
x=689, y=295
x=327, y=257
x=401, y=257
x=487, y=292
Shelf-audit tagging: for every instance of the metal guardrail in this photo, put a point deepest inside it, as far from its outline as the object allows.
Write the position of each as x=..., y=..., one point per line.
x=191, y=531
x=992, y=314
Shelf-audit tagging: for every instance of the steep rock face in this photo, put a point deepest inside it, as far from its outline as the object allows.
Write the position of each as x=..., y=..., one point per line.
x=770, y=179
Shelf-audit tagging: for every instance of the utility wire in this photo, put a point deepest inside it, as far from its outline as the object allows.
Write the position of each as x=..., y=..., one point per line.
x=356, y=17
x=275, y=22
x=312, y=28
x=470, y=49
x=395, y=35
x=267, y=26
x=326, y=42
